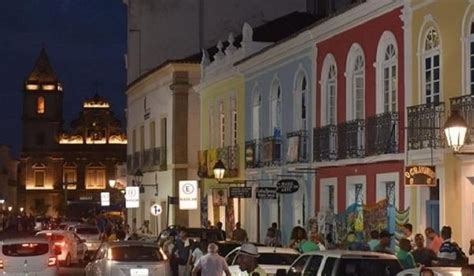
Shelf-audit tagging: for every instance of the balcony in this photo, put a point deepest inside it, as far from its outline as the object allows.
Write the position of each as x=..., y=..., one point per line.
x=382, y=133
x=271, y=151
x=425, y=126
x=147, y=159
x=252, y=153
x=136, y=161
x=297, y=147
x=325, y=143
x=351, y=139
x=229, y=155
x=158, y=158
x=465, y=105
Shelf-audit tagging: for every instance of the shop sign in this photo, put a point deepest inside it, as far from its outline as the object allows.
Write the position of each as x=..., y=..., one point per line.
x=188, y=195
x=105, y=199
x=156, y=209
x=240, y=192
x=287, y=186
x=132, y=197
x=266, y=193
x=420, y=176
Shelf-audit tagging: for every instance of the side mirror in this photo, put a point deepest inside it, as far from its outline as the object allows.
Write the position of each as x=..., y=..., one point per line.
x=281, y=272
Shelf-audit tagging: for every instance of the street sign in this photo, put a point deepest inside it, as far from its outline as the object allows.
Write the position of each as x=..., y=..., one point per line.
x=240, y=192
x=156, y=209
x=132, y=197
x=266, y=193
x=188, y=195
x=420, y=176
x=287, y=186
x=105, y=199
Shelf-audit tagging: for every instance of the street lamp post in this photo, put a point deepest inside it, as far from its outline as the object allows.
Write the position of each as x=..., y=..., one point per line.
x=455, y=130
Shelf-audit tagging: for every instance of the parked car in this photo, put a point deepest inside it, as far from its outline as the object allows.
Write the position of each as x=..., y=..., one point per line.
x=437, y=270
x=342, y=263
x=28, y=255
x=128, y=258
x=271, y=259
x=225, y=247
x=68, y=225
x=72, y=248
x=90, y=234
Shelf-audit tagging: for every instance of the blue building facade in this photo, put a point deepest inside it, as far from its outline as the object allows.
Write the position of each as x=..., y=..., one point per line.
x=279, y=108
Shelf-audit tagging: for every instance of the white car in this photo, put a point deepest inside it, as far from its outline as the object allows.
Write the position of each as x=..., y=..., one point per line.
x=437, y=270
x=128, y=258
x=344, y=262
x=68, y=226
x=73, y=249
x=271, y=259
x=28, y=256
x=90, y=234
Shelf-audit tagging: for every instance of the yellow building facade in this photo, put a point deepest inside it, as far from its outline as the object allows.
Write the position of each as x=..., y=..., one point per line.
x=439, y=73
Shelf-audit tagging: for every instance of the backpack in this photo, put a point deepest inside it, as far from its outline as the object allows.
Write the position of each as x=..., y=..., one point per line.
x=461, y=258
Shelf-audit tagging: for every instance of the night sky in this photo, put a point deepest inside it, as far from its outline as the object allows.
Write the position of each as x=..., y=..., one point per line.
x=85, y=41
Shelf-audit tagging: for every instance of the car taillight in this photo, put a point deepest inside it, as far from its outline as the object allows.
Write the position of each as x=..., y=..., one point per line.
x=52, y=261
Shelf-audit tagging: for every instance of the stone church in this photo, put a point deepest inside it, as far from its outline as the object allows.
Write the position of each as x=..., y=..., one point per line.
x=64, y=170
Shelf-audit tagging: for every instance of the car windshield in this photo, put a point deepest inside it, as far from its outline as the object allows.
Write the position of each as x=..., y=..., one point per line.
x=87, y=231
x=361, y=267
x=25, y=249
x=136, y=253
x=274, y=259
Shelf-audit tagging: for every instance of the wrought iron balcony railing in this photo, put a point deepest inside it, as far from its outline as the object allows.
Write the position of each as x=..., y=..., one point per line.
x=147, y=159
x=382, y=133
x=425, y=126
x=252, y=153
x=159, y=158
x=465, y=105
x=351, y=139
x=297, y=146
x=325, y=143
x=271, y=151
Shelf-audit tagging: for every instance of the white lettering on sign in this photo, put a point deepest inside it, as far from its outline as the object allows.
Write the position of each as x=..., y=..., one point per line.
x=188, y=195
x=132, y=197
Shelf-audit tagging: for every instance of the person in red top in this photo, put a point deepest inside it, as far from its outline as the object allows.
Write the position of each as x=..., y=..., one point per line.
x=434, y=241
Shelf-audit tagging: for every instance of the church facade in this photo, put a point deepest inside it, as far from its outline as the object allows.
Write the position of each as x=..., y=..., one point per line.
x=64, y=170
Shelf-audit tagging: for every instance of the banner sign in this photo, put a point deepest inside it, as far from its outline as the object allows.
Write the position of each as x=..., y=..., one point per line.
x=266, y=193
x=105, y=199
x=287, y=186
x=188, y=195
x=132, y=197
x=420, y=176
x=240, y=192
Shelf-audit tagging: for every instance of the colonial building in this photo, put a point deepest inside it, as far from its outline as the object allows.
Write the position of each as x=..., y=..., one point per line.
x=360, y=100
x=440, y=66
x=163, y=126
x=64, y=170
x=8, y=178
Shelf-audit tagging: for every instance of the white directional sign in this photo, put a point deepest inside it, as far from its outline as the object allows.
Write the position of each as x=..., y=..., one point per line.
x=132, y=197
x=105, y=199
x=188, y=195
x=156, y=209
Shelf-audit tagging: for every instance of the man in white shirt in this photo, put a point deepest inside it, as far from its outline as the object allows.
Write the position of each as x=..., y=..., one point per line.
x=211, y=264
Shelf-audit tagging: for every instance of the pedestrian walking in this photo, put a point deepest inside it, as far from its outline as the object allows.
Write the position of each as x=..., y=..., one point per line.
x=219, y=227
x=211, y=264
x=270, y=239
x=247, y=260
x=239, y=234
x=181, y=254
x=277, y=233
x=423, y=255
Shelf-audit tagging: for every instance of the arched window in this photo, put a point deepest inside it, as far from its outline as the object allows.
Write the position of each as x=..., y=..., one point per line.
x=301, y=103
x=431, y=67
x=256, y=109
x=275, y=109
x=358, y=83
x=389, y=79
x=40, y=105
x=331, y=95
